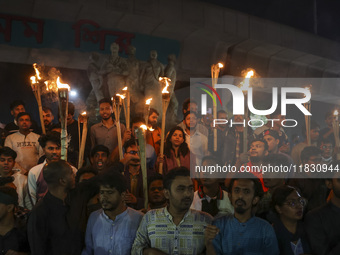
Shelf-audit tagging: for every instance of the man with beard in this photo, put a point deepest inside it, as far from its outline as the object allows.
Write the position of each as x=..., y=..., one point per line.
x=47, y=117
x=105, y=132
x=210, y=197
x=156, y=194
x=175, y=229
x=25, y=143
x=99, y=157
x=36, y=184
x=197, y=142
x=242, y=233
x=154, y=137
x=114, y=220
x=48, y=230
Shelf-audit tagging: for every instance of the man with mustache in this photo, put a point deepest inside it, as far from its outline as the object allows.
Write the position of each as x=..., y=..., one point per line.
x=175, y=229
x=242, y=233
x=114, y=217
x=48, y=117
x=37, y=186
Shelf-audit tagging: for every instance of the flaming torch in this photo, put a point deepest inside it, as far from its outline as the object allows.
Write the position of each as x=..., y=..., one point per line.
x=116, y=105
x=308, y=106
x=123, y=102
x=245, y=86
x=147, y=110
x=140, y=134
x=127, y=92
x=83, y=118
x=215, y=71
x=336, y=132
x=165, y=104
x=63, y=90
x=36, y=85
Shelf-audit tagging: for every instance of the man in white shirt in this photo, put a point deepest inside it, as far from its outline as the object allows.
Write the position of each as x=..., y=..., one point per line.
x=25, y=143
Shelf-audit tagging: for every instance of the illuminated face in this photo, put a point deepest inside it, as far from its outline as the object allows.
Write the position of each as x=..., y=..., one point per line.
x=243, y=195
x=314, y=134
x=48, y=117
x=24, y=123
x=191, y=121
x=153, y=119
x=110, y=198
x=292, y=208
x=156, y=194
x=105, y=110
x=327, y=150
x=192, y=107
x=177, y=138
x=52, y=151
x=18, y=109
x=181, y=193
x=257, y=149
x=99, y=160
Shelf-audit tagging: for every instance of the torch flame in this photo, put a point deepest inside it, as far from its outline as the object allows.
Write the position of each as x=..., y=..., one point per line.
x=37, y=71
x=121, y=96
x=125, y=88
x=245, y=84
x=148, y=101
x=166, y=79
x=62, y=85
x=336, y=113
x=151, y=129
x=220, y=65
x=84, y=113
x=34, y=79
x=143, y=127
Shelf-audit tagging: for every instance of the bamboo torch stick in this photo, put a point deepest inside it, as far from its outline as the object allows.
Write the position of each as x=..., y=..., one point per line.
x=215, y=71
x=63, y=90
x=36, y=87
x=116, y=105
x=84, y=119
x=128, y=101
x=140, y=134
x=245, y=86
x=165, y=104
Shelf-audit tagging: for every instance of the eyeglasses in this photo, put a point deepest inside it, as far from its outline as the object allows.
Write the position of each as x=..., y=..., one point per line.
x=133, y=152
x=294, y=203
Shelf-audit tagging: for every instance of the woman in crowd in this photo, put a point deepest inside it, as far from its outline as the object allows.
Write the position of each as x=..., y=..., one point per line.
x=176, y=151
x=289, y=206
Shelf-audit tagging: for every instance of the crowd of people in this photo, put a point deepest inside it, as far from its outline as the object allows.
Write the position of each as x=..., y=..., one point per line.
x=49, y=206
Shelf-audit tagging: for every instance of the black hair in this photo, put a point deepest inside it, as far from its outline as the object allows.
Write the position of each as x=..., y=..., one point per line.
x=221, y=111
x=186, y=104
x=183, y=148
x=188, y=112
x=153, y=110
x=15, y=104
x=53, y=126
x=10, y=192
x=172, y=174
x=23, y=114
x=280, y=195
x=71, y=108
x=105, y=100
x=276, y=159
x=154, y=177
x=324, y=141
x=46, y=109
x=137, y=119
x=258, y=190
x=55, y=170
x=84, y=170
x=313, y=125
x=113, y=180
x=98, y=148
x=260, y=140
x=51, y=136
x=128, y=144
x=308, y=152
x=7, y=151
x=211, y=159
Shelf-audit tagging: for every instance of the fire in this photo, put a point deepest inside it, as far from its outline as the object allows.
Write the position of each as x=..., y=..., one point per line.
x=143, y=127
x=33, y=79
x=220, y=65
x=151, y=129
x=125, y=88
x=336, y=113
x=166, y=79
x=121, y=96
x=245, y=84
x=35, y=66
x=62, y=85
x=148, y=101
x=84, y=114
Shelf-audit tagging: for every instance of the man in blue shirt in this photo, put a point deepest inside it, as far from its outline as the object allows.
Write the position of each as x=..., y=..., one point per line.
x=112, y=229
x=242, y=233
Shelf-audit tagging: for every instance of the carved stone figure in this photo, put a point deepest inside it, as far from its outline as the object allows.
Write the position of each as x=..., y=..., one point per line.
x=94, y=76
x=170, y=72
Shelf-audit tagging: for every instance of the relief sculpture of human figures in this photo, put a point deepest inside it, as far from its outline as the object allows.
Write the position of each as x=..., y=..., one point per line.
x=170, y=72
x=114, y=71
x=94, y=76
x=152, y=70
